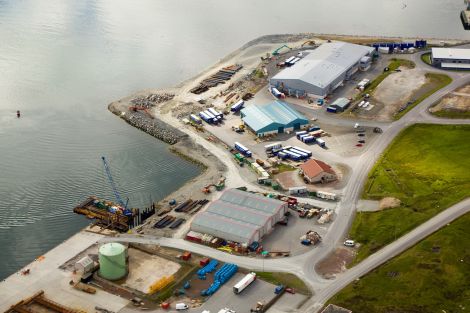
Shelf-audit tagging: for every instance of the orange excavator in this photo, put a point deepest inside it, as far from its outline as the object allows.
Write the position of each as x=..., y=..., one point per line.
x=135, y=108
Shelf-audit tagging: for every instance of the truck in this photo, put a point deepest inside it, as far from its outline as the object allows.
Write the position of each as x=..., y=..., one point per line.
x=244, y=282
x=237, y=106
x=244, y=150
x=215, y=118
x=321, y=142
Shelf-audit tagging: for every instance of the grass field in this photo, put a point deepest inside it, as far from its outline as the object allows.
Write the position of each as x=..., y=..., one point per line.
x=426, y=58
x=427, y=168
x=435, y=82
x=432, y=276
x=286, y=279
x=452, y=114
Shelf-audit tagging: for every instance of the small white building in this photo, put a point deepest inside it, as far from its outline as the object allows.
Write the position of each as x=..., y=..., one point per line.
x=452, y=58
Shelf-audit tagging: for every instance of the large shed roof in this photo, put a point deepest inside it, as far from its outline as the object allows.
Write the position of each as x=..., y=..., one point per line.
x=325, y=64
x=276, y=113
x=451, y=53
x=238, y=215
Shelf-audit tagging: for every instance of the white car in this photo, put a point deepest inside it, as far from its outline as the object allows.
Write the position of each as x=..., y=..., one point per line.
x=181, y=306
x=349, y=243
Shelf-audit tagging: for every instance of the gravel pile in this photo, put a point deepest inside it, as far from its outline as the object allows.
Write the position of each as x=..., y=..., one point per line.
x=154, y=127
x=152, y=99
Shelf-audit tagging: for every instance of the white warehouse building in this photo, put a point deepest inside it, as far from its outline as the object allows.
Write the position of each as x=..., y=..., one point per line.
x=322, y=70
x=453, y=58
x=240, y=216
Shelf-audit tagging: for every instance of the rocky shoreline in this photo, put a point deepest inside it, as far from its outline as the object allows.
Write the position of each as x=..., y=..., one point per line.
x=152, y=126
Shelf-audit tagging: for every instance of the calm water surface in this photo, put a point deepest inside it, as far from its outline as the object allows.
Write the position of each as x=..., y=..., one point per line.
x=61, y=62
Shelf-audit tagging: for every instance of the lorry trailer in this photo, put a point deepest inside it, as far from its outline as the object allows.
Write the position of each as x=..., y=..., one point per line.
x=321, y=142
x=300, y=133
x=272, y=146
x=326, y=195
x=214, y=117
x=244, y=282
x=216, y=113
x=237, y=106
x=195, y=119
x=244, y=150
x=303, y=155
x=206, y=117
x=308, y=139
x=304, y=151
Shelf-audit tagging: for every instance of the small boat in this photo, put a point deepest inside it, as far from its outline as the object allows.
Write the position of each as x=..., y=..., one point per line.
x=18, y=114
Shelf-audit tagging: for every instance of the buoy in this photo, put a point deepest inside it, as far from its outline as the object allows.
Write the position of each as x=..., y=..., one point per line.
x=18, y=114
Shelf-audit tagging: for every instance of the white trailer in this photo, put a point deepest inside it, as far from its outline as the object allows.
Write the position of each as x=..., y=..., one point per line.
x=297, y=190
x=272, y=146
x=326, y=195
x=244, y=282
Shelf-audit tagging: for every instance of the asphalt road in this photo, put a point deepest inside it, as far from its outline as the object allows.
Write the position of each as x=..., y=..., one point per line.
x=304, y=265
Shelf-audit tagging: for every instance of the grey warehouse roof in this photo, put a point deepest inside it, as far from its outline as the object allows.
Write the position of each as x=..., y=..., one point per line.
x=237, y=214
x=451, y=53
x=252, y=200
x=326, y=63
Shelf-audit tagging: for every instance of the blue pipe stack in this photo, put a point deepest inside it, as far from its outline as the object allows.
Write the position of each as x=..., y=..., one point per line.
x=221, y=276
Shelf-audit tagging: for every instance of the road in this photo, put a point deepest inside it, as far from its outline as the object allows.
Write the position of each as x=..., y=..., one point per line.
x=304, y=265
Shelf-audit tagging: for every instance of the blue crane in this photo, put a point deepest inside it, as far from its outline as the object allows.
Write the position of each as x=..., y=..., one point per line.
x=113, y=185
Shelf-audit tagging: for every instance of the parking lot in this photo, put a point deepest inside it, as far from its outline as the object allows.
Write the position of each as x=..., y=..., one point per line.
x=259, y=290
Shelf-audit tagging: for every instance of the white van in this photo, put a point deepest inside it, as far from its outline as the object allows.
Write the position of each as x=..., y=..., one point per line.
x=349, y=243
x=181, y=306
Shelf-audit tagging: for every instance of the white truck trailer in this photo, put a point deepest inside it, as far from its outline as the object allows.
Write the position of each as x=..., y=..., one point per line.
x=244, y=282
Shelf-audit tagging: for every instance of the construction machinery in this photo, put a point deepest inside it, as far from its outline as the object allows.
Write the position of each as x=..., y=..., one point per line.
x=135, y=108
x=276, y=52
x=113, y=185
x=218, y=186
x=308, y=42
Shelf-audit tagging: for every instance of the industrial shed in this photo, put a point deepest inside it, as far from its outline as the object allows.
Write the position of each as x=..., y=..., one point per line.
x=451, y=58
x=322, y=70
x=273, y=118
x=240, y=216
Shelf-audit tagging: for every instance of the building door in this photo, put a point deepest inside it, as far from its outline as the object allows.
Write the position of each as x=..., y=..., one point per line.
x=296, y=126
x=280, y=130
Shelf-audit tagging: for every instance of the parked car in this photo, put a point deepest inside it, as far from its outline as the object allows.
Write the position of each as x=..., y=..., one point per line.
x=290, y=290
x=181, y=306
x=349, y=243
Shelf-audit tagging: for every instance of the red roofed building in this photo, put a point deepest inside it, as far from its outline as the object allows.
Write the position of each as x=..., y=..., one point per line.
x=316, y=171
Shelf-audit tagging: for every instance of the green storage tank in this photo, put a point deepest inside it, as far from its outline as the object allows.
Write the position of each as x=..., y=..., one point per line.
x=113, y=257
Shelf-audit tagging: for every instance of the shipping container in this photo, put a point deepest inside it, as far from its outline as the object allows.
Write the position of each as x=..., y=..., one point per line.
x=237, y=106
x=244, y=282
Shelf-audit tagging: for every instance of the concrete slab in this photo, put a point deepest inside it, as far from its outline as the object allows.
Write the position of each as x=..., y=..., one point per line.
x=46, y=275
x=145, y=269
x=368, y=206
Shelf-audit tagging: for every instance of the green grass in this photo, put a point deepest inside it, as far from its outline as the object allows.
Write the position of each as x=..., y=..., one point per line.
x=435, y=82
x=286, y=279
x=427, y=168
x=452, y=114
x=420, y=279
x=282, y=167
x=426, y=58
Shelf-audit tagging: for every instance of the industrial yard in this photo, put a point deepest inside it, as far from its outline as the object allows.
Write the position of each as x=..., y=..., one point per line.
x=285, y=133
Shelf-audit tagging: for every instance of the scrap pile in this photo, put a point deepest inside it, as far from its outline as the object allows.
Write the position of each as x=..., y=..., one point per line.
x=311, y=237
x=220, y=77
x=152, y=99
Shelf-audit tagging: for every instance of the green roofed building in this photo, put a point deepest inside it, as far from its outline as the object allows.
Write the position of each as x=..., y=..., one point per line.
x=273, y=118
